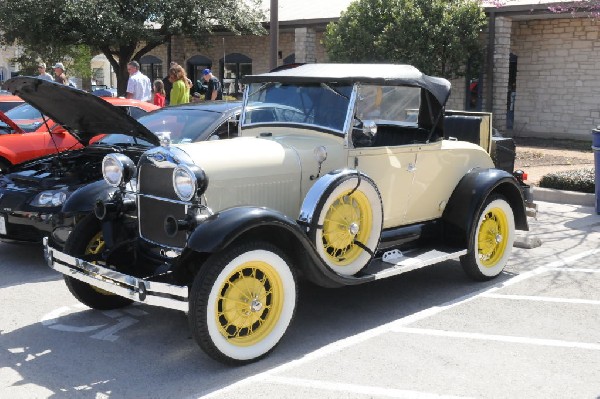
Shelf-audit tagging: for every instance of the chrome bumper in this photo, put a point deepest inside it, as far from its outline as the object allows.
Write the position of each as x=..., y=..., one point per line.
x=137, y=289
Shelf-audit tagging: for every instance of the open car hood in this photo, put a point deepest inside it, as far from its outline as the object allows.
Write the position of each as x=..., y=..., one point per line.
x=10, y=123
x=82, y=114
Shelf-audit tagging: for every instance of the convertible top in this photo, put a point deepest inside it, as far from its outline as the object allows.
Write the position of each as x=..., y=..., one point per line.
x=382, y=74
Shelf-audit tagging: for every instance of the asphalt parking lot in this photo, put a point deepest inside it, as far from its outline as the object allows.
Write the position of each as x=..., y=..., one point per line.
x=533, y=332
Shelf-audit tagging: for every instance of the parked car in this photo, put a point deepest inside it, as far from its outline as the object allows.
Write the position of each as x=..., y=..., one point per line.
x=39, y=135
x=339, y=178
x=32, y=196
x=8, y=101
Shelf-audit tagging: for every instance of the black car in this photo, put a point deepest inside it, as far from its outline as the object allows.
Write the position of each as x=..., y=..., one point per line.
x=33, y=194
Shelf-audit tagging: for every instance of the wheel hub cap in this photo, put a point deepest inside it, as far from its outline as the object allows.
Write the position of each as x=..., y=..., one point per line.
x=256, y=305
x=353, y=228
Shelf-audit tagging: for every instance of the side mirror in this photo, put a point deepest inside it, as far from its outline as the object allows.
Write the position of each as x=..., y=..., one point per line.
x=369, y=128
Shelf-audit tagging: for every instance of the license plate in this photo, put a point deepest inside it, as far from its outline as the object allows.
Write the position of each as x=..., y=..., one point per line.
x=2, y=225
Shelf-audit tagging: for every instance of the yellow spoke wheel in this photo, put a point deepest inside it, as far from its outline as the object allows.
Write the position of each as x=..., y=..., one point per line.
x=491, y=240
x=492, y=237
x=242, y=301
x=249, y=303
x=87, y=241
x=346, y=223
x=348, y=219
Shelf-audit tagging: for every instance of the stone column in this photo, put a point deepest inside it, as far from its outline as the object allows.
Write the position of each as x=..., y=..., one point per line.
x=501, y=62
x=305, y=45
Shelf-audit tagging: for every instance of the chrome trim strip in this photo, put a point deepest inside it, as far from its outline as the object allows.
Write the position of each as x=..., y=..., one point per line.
x=136, y=289
x=154, y=197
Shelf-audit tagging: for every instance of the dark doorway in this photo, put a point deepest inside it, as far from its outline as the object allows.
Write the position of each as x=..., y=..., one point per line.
x=234, y=67
x=474, y=84
x=512, y=91
x=195, y=66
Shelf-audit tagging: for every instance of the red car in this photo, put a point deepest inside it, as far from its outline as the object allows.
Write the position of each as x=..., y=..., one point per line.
x=27, y=134
x=8, y=101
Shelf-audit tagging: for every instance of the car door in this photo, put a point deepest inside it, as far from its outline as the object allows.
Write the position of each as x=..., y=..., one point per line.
x=392, y=170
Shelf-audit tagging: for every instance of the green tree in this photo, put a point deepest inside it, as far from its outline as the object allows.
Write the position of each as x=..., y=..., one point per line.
x=436, y=36
x=76, y=59
x=123, y=30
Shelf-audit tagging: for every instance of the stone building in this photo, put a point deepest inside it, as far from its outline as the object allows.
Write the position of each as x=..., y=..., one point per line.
x=540, y=74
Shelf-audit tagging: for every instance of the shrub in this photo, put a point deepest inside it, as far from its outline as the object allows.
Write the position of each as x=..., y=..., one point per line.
x=581, y=180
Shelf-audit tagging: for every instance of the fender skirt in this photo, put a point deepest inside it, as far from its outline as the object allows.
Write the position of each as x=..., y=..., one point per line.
x=218, y=231
x=467, y=199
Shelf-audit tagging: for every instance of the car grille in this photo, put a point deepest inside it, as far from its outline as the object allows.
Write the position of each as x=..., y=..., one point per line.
x=156, y=202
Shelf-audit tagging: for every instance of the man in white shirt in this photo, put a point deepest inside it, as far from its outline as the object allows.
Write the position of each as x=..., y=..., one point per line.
x=42, y=72
x=138, y=85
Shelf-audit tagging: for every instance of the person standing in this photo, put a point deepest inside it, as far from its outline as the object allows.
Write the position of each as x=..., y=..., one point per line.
x=159, y=93
x=180, y=92
x=43, y=74
x=214, y=90
x=138, y=85
x=59, y=74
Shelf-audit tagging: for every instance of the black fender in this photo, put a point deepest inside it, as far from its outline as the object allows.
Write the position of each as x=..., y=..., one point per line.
x=84, y=198
x=467, y=199
x=220, y=230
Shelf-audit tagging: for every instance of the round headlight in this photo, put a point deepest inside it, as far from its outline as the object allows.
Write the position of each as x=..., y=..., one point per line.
x=184, y=183
x=117, y=169
x=189, y=181
x=45, y=198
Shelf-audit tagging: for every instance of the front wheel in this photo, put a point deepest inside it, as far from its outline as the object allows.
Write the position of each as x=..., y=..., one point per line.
x=491, y=243
x=86, y=240
x=242, y=302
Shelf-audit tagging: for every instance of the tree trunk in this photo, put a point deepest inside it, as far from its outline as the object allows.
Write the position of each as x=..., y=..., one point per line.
x=122, y=78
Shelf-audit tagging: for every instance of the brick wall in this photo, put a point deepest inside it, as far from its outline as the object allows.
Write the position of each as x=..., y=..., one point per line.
x=558, y=78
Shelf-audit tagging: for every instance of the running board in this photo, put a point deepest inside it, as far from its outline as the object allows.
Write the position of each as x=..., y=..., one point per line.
x=395, y=262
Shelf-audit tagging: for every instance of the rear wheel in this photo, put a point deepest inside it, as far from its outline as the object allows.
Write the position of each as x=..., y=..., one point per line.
x=86, y=240
x=491, y=244
x=242, y=302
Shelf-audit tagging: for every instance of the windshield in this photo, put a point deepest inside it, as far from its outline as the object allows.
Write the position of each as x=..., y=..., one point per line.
x=388, y=104
x=184, y=125
x=6, y=105
x=25, y=116
x=321, y=105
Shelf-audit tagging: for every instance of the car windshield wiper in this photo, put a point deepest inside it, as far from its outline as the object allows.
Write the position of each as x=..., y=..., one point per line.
x=262, y=88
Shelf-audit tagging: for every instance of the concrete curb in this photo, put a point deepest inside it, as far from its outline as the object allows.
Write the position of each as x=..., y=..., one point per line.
x=563, y=197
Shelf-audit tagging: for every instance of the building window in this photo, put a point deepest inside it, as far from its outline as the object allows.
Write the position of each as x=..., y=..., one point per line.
x=195, y=66
x=151, y=66
x=233, y=68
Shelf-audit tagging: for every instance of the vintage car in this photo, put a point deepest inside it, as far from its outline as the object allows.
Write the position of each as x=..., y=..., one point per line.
x=339, y=178
x=32, y=195
x=36, y=135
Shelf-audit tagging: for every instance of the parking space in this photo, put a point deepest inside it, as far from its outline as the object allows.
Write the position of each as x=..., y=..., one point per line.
x=535, y=335
x=431, y=333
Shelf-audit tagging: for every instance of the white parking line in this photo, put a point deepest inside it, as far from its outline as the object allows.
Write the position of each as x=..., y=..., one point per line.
x=353, y=388
x=342, y=344
x=498, y=338
x=543, y=299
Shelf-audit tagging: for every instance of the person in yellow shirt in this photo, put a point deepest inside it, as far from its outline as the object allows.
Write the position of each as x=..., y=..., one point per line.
x=180, y=92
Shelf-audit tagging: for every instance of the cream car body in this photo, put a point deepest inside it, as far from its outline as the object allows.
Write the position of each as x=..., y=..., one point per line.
x=337, y=178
